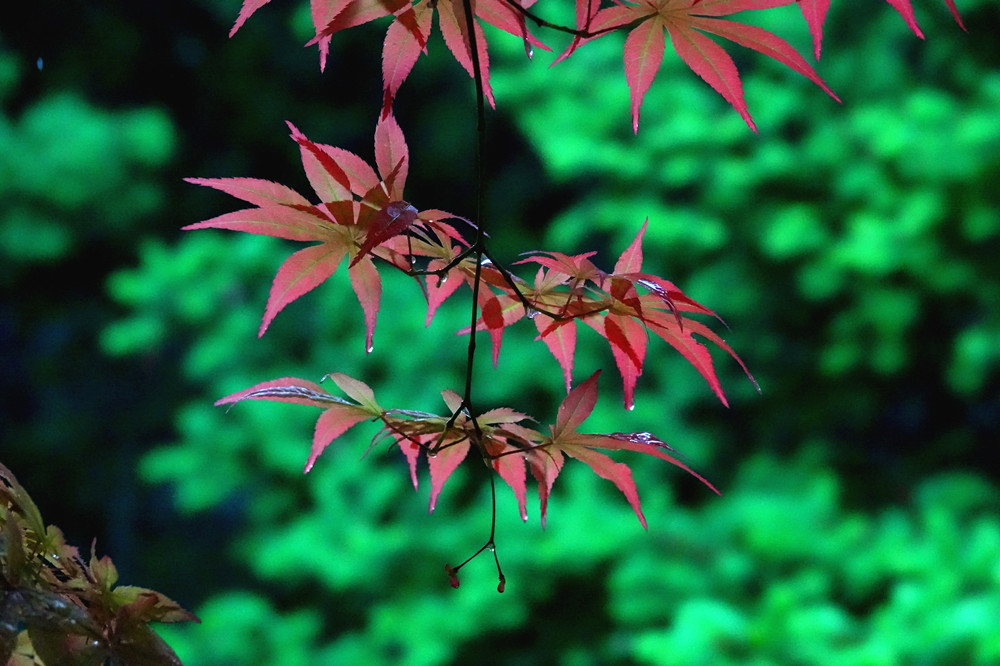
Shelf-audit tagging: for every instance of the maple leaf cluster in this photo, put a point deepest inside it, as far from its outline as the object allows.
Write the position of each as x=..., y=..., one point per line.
x=500, y=436
x=648, y=22
x=361, y=216
x=55, y=608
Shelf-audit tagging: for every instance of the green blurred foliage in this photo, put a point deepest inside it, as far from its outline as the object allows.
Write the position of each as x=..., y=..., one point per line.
x=49, y=182
x=851, y=248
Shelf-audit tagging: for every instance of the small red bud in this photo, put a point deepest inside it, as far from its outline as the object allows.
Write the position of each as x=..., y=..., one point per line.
x=452, y=575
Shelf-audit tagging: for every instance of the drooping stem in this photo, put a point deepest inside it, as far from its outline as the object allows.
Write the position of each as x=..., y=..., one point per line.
x=479, y=246
x=489, y=545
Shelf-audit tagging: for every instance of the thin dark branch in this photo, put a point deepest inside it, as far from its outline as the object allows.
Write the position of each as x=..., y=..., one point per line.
x=479, y=246
x=583, y=33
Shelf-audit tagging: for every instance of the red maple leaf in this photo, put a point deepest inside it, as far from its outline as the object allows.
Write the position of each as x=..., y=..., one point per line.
x=546, y=459
x=815, y=11
x=613, y=306
x=361, y=211
x=410, y=31
x=686, y=22
x=338, y=415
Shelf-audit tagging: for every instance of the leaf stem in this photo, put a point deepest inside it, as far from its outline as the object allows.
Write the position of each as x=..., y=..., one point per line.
x=582, y=33
x=490, y=544
x=479, y=246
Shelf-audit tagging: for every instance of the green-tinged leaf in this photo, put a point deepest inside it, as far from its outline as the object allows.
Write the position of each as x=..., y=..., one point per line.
x=356, y=390
x=285, y=389
x=273, y=220
x=254, y=190
x=142, y=605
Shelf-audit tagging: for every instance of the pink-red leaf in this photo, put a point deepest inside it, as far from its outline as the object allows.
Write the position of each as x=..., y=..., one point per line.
x=545, y=467
x=439, y=289
x=561, y=341
x=328, y=178
x=814, y=12
x=254, y=190
x=765, y=42
x=284, y=389
x=391, y=155
x=511, y=470
x=616, y=472
x=338, y=416
x=368, y=288
x=401, y=50
x=333, y=423
x=954, y=13
x=277, y=221
x=546, y=460
x=442, y=464
x=393, y=220
x=644, y=442
x=451, y=19
x=576, y=407
x=905, y=10
x=299, y=274
x=246, y=11
x=628, y=345
x=711, y=62
x=630, y=260
x=643, y=54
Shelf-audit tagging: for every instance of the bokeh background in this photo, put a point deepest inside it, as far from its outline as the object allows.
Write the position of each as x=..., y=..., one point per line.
x=853, y=249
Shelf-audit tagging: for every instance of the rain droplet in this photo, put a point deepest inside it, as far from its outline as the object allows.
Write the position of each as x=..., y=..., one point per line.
x=370, y=349
x=492, y=548
x=531, y=313
x=631, y=406
x=442, y=280
x=485, y=261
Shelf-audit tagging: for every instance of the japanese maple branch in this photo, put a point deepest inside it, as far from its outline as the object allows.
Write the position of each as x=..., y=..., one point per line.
x=490, y=543
x=529, y=306
x=576, y=32
x=479, y=246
